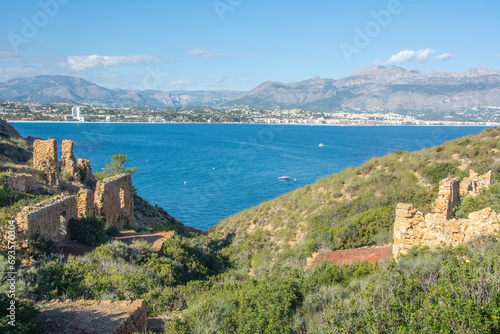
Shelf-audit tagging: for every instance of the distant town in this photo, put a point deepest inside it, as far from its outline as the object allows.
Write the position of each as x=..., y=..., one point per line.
x=62, y=112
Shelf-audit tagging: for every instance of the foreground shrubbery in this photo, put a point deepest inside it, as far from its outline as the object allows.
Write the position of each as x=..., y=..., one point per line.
x=119, y=271
x=449, y=291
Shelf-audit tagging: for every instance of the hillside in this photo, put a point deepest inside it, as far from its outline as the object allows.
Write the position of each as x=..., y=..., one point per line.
x=247, y=274
x=381, y=88
x=351, y=209
x=67, y=89
x=473, y=94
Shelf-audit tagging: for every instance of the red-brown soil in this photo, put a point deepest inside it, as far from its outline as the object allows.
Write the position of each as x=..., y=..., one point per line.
x=349, y=256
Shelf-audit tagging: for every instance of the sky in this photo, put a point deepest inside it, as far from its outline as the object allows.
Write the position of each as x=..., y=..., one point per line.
x=238, y=44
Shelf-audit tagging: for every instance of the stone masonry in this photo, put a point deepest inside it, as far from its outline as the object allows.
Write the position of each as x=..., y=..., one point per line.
x=85, y=171
x=473, y=184
x=21, y=182
x=68, y=161
x=439, y=227
x=93, y=317
x=114, y=201
x=45, y=160
x=48, y=218
x=85, y=198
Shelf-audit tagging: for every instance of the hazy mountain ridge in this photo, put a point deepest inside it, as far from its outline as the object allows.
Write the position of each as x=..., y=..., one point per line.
x=57, y=88
x=374, y=88
x=383, y=88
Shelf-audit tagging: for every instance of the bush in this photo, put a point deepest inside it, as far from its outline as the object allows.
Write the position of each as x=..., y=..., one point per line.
x=40, y=247
x=440, y=171
x=112, y=231
x=88, y=231
x=25, y=313
x=487, y=198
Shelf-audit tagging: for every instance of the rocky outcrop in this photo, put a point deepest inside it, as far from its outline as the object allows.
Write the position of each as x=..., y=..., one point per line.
x=48, y=219
x=45, y=160
x=114, y=201
x=8, y=131
x=68, y=161
x=439, y=227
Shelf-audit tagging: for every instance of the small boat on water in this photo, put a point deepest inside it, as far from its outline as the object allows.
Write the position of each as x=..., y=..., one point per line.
x=321, y=145
x=284, y=178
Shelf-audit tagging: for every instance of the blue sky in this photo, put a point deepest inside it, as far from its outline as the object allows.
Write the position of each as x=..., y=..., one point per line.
x=239, y=44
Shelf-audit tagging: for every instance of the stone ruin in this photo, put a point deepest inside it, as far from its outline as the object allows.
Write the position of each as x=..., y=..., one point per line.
x=68, y=161
x=439, y=227
x=48, y=218
x=45, y=160
x=93, y=316
x=21, y=182
x=112, y=201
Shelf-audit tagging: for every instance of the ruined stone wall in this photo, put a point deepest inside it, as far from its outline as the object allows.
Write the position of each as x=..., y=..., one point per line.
x=68, y=161
x=22, y=182
x=45, y=160
x=48, y=218
x=114, y=201
x=448, y=197
x=93, y=316
x=472, y=185
x=439, y=227
x=85, y=199
x=85, y=171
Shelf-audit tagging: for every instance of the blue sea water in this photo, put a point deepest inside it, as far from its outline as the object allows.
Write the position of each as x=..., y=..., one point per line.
x=203, y=173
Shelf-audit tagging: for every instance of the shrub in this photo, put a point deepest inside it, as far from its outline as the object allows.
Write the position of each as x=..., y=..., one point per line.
x=40, y=247
x=25, y=313
x=88, y=231
x=440, y=171
x=112, y=231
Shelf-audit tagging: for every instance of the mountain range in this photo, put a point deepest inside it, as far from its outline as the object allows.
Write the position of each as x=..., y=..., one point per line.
x=384, y=88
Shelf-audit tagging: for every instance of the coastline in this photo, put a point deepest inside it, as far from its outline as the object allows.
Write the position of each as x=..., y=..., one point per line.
x=271, y=124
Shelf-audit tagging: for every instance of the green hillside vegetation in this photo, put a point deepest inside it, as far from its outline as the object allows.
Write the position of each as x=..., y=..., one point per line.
x=354, y=208
x=246, y=275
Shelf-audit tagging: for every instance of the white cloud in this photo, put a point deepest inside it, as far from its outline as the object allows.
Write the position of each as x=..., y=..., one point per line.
x=205, y=53
x=182, y=84
x=445, y=57
x=419, y=56
x=255, y=54
x=80, y=63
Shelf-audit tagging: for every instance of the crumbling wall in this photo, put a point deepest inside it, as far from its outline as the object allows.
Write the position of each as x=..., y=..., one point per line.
x=68, y=161
x=439, y=227
x=472, y=185
x=448, y=197
x=93, y=316
x=45, y=160
x=21, y=182
x=85, y=199
x=114, y=201
x=48, y=218
x=85, y=171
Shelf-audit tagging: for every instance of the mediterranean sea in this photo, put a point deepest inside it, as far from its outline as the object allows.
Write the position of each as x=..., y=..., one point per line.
x=203, y=173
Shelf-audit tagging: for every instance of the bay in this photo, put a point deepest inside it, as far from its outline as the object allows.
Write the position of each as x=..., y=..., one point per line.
x=203, y=173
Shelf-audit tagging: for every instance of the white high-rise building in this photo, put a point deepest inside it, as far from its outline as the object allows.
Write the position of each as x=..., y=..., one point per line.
x=75, y=112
